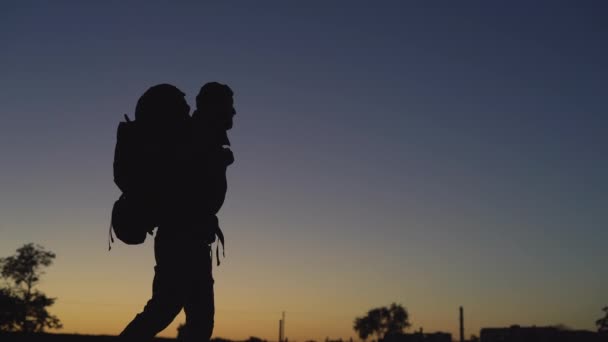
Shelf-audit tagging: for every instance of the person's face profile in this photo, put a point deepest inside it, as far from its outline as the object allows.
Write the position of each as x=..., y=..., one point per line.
x=222, y=111
x=230, y=113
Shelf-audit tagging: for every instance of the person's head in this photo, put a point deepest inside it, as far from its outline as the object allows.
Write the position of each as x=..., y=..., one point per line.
x=162, y=104
x=215, y=103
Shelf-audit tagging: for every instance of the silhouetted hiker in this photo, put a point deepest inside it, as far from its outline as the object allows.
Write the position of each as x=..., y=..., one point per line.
x=162, y=163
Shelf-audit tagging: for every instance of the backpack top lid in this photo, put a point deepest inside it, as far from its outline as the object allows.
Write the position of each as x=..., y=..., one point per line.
x=162, y=104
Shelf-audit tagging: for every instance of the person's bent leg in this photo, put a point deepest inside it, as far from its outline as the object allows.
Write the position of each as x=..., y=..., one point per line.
x=167, y=301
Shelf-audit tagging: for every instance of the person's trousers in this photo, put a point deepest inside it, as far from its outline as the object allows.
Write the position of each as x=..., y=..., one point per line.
x=182, y=279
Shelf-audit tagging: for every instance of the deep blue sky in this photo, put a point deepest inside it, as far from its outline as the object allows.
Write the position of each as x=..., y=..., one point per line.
x=434, y=154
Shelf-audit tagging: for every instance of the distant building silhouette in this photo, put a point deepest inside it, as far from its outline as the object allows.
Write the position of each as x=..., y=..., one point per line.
x=418, y=337
x=516, y=333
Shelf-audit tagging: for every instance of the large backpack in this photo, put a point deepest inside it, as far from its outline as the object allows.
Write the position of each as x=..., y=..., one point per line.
x=133, y=213
x=137, y=212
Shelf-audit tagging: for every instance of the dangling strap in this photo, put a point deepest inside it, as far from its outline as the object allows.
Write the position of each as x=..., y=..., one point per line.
x=221, y=241
x=110, y=237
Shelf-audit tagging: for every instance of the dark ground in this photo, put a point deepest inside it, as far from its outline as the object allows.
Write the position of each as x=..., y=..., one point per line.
x=16, y=337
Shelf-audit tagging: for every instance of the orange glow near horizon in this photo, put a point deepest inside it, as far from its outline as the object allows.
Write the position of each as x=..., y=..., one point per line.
x=99, y=292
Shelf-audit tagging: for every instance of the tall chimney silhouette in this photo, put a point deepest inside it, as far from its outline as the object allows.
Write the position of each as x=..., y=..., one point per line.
x=461, y=324
x=282, y=328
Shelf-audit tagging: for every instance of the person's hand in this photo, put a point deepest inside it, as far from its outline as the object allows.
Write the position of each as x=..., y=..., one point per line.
x=227, y=156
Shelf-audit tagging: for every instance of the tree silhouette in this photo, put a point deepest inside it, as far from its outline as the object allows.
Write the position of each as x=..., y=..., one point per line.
x=382, y=321
x=25, y=308
x=364, y=326
x=602, y=323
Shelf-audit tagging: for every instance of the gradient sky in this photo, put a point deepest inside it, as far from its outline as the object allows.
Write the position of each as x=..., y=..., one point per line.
x=430, y=154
